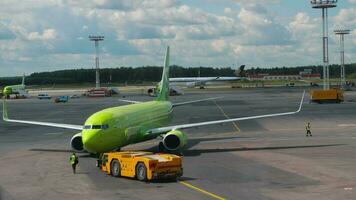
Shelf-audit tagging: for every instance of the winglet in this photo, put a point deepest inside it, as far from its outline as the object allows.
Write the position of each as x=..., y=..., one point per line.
x=4, y=109
x=301, y=102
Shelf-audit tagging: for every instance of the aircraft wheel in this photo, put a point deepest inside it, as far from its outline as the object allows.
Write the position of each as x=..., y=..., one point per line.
x=115, y=168
x=141, y=172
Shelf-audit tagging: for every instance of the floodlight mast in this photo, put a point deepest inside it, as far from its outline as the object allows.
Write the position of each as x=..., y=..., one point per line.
x=341, y=33
x=324, y=5
x=96, y=39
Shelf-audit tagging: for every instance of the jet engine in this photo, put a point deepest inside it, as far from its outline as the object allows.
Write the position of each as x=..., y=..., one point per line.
x=76, y=142
x=174, y=140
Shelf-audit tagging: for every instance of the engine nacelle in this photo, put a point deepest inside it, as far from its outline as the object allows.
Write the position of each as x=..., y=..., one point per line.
x=174, y=140
x=76, y=142
x=152, y=92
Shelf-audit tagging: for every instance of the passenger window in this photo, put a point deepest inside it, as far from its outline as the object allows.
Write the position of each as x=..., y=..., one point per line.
x=105, y=126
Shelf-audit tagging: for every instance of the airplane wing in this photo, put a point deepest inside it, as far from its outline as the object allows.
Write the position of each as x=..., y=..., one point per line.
x=163, y=130
x=66, y=126
x=130, y=101
x=194, y=101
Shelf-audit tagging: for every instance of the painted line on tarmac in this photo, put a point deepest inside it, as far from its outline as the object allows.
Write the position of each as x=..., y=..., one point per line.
x=347, y=125
x=55, y=133
x=201, y=190
x=227, y=117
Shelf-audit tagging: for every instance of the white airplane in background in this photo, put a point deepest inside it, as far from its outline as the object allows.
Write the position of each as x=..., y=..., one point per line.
x=192, y=82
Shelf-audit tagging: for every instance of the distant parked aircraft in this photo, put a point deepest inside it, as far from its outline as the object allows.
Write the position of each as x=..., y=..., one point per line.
x=201, y=82
x=18, y=90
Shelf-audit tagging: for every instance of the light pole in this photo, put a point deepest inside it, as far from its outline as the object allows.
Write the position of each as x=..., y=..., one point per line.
x=96, y=39
x=341, y=33
x=324, y=5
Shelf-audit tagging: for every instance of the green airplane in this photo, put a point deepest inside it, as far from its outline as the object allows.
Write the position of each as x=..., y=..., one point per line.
x=113, y=128
x=19, y=90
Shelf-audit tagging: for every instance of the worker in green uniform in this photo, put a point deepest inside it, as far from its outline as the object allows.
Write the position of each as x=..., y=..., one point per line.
x=73, y=160
x=307, y=128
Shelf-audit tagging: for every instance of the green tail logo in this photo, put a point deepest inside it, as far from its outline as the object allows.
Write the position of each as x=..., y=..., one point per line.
x=164, y=84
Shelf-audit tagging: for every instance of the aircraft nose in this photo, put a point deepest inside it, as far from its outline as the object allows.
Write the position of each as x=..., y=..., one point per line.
x=7, y=91
x=90, y=140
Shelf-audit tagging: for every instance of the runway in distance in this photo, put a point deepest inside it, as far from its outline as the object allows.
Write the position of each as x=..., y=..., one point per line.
x=201, y=82
x=113, y=128
x=19, y=90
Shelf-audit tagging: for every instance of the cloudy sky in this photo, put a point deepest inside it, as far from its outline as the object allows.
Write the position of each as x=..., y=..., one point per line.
x=47, y=35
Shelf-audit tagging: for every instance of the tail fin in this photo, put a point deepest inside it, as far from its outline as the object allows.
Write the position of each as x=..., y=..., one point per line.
x=241, y=71
x=163, y=86
x=23, y=80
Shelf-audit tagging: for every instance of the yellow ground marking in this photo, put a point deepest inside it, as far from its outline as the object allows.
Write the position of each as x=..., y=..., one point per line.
x=201, y=190
x=227, y=117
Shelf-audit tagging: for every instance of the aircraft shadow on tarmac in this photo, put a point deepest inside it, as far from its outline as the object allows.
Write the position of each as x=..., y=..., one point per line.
x=192, y=142
x=197, y=152
x=54, y=150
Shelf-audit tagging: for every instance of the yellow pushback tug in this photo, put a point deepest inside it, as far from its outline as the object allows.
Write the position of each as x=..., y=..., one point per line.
x=144, y=166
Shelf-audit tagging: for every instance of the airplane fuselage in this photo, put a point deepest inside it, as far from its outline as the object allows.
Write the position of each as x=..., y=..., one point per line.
x=117, y=127
x=14, y=89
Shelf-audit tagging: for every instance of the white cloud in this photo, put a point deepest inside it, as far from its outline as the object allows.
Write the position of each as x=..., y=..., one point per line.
x=228, y=11
x=304, y=27
x=256, y=1
x=36, y=32
x=261, y=28
x=346, y=19
x=219, y=45
x=47, y=34
x=6, y=33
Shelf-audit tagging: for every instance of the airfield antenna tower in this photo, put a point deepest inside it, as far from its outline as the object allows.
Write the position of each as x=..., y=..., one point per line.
x=341, y=33
x=96, y=39
x=324, y=5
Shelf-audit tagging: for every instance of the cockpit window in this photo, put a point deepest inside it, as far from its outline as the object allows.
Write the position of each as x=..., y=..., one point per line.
x=87, y=127
x=96, y=127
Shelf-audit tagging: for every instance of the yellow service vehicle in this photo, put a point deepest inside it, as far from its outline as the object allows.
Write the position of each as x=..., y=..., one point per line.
x=141, y=165
x=331, y=95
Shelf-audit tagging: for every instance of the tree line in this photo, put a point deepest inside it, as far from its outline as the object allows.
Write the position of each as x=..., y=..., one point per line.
x=146, y=74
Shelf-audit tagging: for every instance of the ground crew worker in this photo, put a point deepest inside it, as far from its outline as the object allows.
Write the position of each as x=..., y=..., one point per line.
x=73, y=161
x=307, y=128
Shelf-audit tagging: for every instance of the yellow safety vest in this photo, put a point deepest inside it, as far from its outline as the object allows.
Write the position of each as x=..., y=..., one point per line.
x=307, y=127
x=72, y=159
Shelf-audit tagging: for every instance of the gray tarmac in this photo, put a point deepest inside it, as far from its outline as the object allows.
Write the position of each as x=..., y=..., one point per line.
x=256, y=159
